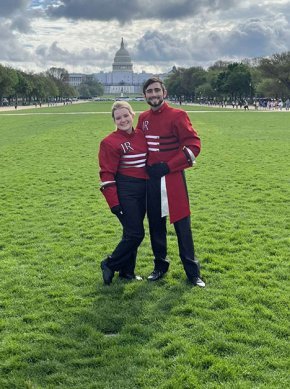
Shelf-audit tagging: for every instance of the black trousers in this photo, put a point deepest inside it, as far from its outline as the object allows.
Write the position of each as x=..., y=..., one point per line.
x=158, y=234
x=132, y=196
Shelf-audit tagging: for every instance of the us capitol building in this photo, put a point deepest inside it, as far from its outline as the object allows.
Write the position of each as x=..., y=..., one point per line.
x=122, y=79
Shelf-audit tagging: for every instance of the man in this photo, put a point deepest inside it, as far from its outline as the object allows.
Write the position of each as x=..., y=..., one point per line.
x=173, y=146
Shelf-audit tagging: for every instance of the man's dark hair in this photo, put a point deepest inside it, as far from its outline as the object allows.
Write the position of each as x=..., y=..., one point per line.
x=151, y=81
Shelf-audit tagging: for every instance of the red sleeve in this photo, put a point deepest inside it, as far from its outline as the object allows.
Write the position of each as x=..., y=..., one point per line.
x=109, y=162
x=139, y=124
x=188, y=138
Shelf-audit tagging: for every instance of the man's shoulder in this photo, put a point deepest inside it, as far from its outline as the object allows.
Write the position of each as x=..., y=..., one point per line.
x=145, y=113
x=175, y=111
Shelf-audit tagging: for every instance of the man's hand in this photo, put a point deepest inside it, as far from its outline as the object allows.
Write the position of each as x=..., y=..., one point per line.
x=117, y=210
x=158, y=170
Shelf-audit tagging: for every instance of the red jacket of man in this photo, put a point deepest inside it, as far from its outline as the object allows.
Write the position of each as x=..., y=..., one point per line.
x=171, y=139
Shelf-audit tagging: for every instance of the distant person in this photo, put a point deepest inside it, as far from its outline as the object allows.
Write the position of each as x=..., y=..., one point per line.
x=280, y=104
x=122, y=160
x=173, y=146
x=287, y=104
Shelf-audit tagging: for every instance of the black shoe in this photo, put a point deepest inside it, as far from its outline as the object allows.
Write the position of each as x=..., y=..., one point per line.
x=108, y=274
x=197, y=282
x=130, y=277
x=156, y=275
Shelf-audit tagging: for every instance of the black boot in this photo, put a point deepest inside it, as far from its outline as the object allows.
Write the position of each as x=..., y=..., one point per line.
x=108, y=274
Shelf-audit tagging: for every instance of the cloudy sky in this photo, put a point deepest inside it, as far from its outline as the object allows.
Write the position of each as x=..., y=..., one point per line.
x=84, y=35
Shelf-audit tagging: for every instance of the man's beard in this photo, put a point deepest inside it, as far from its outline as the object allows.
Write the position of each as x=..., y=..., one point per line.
x=157, y=101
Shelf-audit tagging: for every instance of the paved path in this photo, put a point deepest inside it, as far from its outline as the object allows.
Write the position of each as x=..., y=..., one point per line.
x=45, y=105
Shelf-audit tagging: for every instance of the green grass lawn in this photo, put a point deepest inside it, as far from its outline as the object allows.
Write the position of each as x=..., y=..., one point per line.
x=61, y=328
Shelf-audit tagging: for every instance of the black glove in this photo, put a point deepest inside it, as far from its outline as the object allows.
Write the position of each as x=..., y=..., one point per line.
x=117, y=210
x=158, y=170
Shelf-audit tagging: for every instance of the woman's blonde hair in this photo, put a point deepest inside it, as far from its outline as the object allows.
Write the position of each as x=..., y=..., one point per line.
x=122, y=104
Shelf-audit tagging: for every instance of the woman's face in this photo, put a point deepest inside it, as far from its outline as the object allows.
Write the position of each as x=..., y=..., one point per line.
x=123, y=119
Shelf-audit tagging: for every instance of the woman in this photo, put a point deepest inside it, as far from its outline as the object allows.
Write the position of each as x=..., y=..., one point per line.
x=122, y=159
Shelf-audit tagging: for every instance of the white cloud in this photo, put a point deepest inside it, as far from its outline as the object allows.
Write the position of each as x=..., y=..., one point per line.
x=126, y=10
x=83, y=36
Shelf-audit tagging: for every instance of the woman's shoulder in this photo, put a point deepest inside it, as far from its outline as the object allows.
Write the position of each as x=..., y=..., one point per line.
x=110, y=137
x=110, y=140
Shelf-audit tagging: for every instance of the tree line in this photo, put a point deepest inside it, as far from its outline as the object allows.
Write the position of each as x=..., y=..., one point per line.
x=250, y=79
x=49, y=86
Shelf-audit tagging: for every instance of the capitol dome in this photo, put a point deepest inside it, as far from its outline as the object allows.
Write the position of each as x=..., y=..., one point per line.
x=122, y=80
x=122, y=60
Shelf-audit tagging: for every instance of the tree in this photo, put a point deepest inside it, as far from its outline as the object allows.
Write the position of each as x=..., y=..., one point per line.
x=205, y=91
x=38, y=91
x=8, y=82
x=174, y=83
x=192, y=79
x=51, y=88
x=58, y=73
x=271, y=88
x=60, y=77
x=183, y=82
x=277, y=67
x=235, y=81
x=215, y=76
x=84, y=91
x=90, y=88
x=24, y=86
x=219, y=66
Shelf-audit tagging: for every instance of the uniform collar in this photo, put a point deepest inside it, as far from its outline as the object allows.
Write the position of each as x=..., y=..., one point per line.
x=125, y=134
x=161, y=109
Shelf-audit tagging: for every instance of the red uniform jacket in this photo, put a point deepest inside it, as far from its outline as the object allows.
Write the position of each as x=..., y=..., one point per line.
x=171, y=139
x=123, y=153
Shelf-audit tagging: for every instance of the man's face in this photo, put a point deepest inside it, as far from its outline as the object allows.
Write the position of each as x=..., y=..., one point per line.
x=155, y=95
